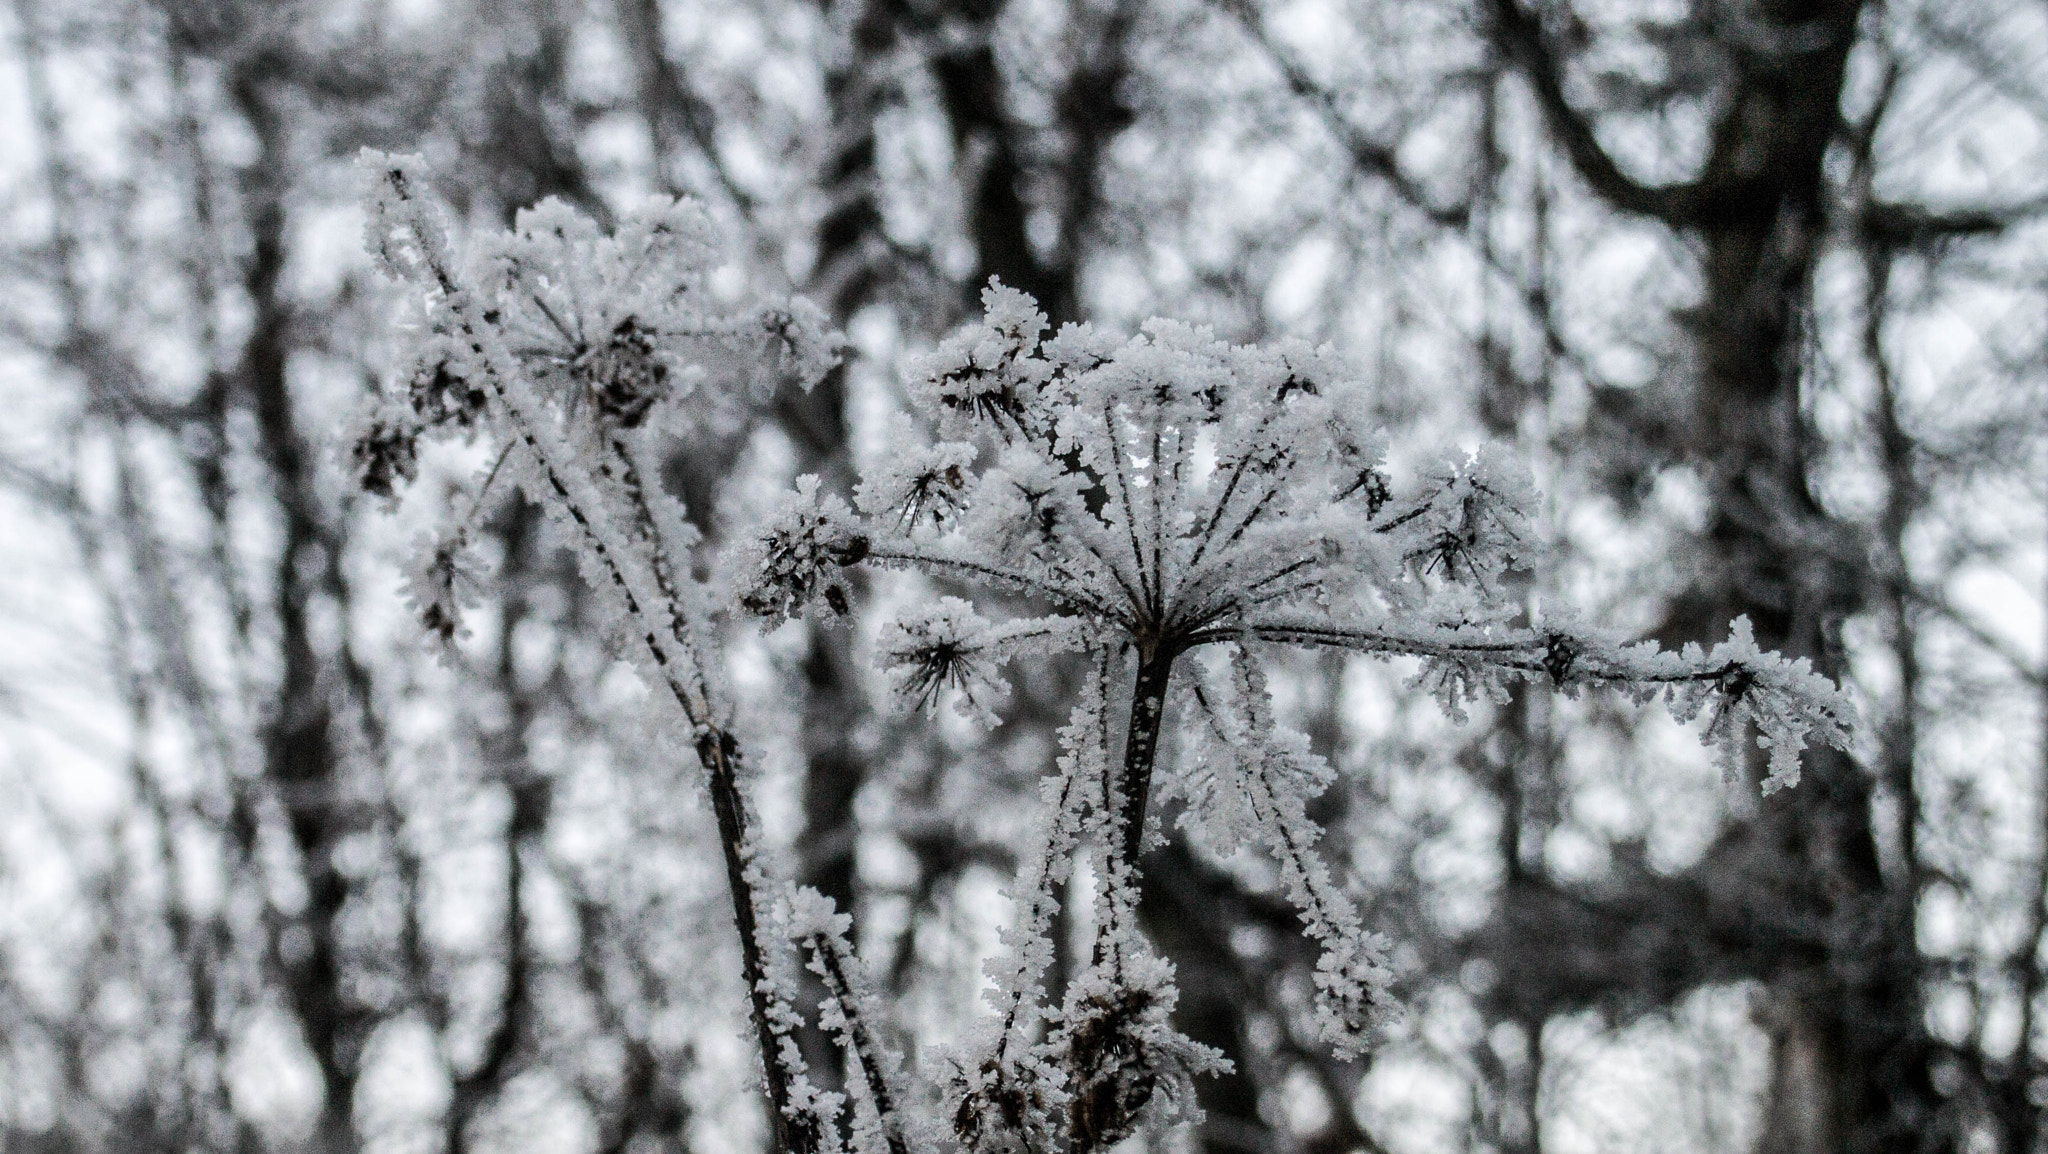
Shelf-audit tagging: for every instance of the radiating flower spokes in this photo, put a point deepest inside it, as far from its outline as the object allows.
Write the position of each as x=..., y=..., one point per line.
x=620, y=320
x=1169, y=493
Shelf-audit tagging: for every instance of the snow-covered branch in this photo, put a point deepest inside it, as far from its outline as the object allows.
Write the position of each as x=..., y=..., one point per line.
x=1785, y=699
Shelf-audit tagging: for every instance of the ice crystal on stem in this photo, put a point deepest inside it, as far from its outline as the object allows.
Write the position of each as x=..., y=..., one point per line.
x=571, y=351
x=1162, y=495
x=882, y=1125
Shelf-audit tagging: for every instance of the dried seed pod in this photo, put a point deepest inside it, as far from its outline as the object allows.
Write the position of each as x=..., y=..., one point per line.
x=624, y=375
x=1114, y=1071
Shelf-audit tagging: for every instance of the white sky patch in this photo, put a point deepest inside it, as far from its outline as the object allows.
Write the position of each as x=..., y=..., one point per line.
x=1298, y=283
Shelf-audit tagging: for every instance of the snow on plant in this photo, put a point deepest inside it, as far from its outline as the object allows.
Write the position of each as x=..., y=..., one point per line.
x=1156, y=497
x=573, y=353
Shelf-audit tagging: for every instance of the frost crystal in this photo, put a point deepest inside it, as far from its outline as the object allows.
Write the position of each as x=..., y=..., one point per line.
x=796, y=560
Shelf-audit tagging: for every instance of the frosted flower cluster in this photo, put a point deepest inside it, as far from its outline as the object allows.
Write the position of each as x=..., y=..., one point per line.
x=611, y=330
x=1156, y=497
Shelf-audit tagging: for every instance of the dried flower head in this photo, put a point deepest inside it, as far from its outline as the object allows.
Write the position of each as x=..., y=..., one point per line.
x=441, y=581
x=624, y=375
x=944, y=647
x=385, y=453
x=798, y=557
x=919, y=488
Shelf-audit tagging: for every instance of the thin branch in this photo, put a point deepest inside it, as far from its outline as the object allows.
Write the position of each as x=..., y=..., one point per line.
x=2022, y=665
x=905, y=553
x=1518, y=34
x=1372, y=156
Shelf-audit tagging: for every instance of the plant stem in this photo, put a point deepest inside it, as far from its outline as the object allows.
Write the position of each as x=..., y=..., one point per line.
x=795, y=1131
x=720, y=755
x=1141, y=743
x=860, y=1041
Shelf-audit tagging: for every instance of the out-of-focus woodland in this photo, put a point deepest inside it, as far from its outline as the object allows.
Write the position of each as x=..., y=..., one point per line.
x=1759, y=285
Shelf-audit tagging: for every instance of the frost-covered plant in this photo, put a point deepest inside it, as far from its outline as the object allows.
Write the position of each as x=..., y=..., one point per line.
x=572, y=353
x=1157, y=497
x=1172, y=504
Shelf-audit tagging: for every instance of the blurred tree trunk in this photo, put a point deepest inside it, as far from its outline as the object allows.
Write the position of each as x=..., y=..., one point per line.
x=1832, y=935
